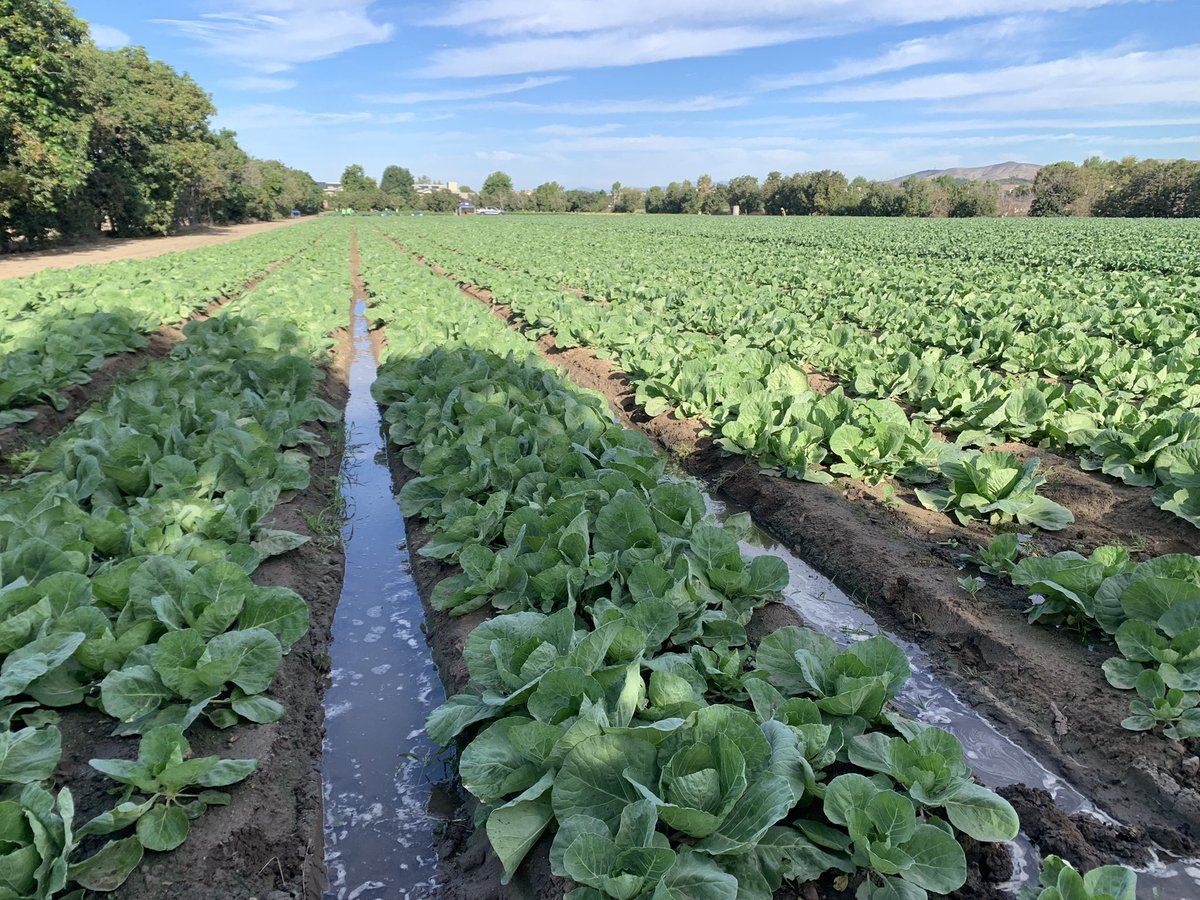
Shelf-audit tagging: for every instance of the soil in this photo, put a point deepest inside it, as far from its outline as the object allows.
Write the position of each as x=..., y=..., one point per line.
x=104, y=250
x=1043, y=686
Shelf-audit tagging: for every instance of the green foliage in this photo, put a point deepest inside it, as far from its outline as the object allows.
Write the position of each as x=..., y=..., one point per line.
x=1000, y=555
x=1059, y=880
x=997, y=487
x=606, y=698
x=46, y=69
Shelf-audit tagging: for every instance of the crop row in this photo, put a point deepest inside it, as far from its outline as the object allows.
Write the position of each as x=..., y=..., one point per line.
x=125, y=560
x=58, y=326
x=912, y=357
x=614, y=699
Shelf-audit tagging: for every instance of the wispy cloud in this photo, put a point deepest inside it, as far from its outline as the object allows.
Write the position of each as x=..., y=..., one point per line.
x=456, y=94
x=960, y=43
x=106, y=37
x=601, y=49
x=1112, y=78
x=577, y=130
x=262, y=84
x=274, y=35
x=506, y=18
x=701, y=104
x=500, y=155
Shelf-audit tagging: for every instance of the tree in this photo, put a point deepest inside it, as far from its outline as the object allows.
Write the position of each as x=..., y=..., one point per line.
x=46, y=65
x=359, y=190
x=770, y=193
x=497, y=190
x=397, y=184
x=1057, y=189
x=438, y=201
x=656, y=200
x=549, y=197
x=586, y=201
x=918, y=197
x=149, y=143
x=745, y=194
x=629, y=200
x=968, y=199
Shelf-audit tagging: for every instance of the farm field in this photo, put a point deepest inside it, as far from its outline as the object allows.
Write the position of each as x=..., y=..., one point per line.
x=986, y=433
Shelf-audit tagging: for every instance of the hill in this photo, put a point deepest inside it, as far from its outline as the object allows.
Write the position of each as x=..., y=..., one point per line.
x=1010, y=172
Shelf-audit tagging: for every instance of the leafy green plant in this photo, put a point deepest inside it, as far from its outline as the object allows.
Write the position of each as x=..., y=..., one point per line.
x=35, y=842
x=1059, y=880
x=997, y=487
x=1000, y=555
x=1064, y=586
x=164, y=789
x=972, y=584
x=1158, y=704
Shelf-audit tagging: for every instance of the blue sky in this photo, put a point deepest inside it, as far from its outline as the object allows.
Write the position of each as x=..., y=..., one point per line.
x=587, y=92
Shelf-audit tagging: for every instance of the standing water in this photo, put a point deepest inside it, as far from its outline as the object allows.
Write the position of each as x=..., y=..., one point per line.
x=380, y=768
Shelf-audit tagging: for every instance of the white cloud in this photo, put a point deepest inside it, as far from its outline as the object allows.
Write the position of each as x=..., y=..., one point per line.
x=455, y=94
x=524, y=17
x=961, y=43
x=275, y=35
x=943, y=126
x=601, y=49
x=1113, y=78
x=499, y=155
x=705, y=103
x=106, y=37
x=263, y=84
x=578, y=130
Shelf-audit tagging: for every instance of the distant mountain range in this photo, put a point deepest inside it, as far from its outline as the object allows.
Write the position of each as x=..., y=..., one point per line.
x=1010, y=172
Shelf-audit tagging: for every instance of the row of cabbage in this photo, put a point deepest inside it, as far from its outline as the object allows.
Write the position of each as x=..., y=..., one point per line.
x=57, y=327
x=1151, y=610
x=125, y=560
x=740, y=360
x=614, y=700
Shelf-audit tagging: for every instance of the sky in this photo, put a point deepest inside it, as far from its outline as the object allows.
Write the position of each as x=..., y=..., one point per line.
x=588, y=92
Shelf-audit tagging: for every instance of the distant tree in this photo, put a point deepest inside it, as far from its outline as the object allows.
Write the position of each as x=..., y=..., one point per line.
x=918, y=197
x=968, y=199
x=438, y=201
x=613, y=193
x=355, y=179
x=497, y=190
x=629, y=200
x=586, y=201
x=881, y=198
x=715, y=201
x=549, y=197
x=397, y=184
x=771, y=198
x=680, y=198
x=704, y=189
x=745, y=193
x=46, y=72
x=656, y=200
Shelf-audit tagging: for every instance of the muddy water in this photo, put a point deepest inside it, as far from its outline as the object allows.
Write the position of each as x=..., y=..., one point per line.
x=381, y=771
x=995, y=758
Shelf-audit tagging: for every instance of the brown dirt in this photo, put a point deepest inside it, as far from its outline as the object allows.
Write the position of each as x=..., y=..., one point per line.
x=109, y=249
x=903, y=563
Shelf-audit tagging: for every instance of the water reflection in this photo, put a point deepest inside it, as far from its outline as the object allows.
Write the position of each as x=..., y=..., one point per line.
x=381, y=771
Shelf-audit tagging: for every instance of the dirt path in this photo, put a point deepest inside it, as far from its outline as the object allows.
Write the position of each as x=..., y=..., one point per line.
x=109, y=250
x=903, y=563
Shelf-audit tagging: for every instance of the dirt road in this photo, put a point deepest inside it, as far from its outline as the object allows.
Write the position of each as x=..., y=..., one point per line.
x=109, y=250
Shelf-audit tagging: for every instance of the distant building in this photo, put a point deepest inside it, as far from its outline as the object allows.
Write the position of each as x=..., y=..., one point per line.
x=330, y=187
x=430, y=187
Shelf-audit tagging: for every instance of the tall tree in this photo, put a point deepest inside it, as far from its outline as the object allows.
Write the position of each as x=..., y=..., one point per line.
x=397, y=183
x=745, y=194
x=46, y=64
x=497, y=190
x=549, y=197
x=149, y=142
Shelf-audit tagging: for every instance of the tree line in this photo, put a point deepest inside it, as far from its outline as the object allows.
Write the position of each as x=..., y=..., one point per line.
x=1128, y=187
x=1103, y=188
x=95, y=140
